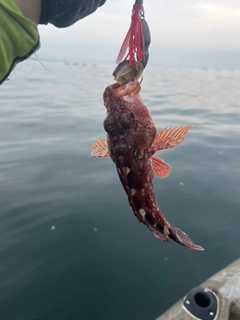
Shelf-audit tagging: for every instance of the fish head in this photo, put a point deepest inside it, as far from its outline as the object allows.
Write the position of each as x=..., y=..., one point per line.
x=128, y=122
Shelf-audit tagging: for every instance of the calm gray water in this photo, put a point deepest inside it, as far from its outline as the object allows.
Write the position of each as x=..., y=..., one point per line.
x=70, y=247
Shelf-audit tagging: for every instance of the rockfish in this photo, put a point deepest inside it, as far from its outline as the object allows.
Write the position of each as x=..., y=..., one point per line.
x=131, y=143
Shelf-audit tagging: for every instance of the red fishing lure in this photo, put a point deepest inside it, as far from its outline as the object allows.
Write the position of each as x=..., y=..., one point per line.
x=133, y=47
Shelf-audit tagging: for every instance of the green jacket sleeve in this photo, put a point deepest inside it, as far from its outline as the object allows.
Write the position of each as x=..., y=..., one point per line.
x=19, y=38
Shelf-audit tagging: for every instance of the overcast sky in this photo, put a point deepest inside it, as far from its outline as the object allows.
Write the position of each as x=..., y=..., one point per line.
x=185, y=33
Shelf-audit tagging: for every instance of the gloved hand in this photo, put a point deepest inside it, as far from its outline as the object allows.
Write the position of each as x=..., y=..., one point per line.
x=63, y=13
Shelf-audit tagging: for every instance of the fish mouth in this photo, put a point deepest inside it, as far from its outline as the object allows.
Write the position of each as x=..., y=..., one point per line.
x=126, y=88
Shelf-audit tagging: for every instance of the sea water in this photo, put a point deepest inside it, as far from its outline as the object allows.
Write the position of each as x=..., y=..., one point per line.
x=70, y=246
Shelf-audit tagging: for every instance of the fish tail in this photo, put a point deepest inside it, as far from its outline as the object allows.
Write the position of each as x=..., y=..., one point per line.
x=180, y=237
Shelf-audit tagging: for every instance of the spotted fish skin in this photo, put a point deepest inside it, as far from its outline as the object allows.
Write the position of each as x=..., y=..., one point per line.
x=131, y=142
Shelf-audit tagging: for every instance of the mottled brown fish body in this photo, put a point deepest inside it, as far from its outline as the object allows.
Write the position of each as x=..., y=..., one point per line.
x=132, y=140
x=128, y=123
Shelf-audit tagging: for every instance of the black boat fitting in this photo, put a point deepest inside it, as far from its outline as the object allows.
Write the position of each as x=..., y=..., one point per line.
x=201, y=303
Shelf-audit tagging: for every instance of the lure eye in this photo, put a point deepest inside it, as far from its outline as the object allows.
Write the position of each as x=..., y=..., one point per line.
x=125, y=120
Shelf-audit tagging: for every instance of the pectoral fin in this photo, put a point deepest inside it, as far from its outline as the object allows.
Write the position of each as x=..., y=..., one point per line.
x=169, y=138
x=100, y=148
x=160, y=167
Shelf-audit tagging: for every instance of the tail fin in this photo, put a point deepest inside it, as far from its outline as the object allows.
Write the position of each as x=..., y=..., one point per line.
x=180, y=237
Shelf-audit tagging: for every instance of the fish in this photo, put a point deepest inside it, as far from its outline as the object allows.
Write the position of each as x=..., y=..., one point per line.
x=132, y=140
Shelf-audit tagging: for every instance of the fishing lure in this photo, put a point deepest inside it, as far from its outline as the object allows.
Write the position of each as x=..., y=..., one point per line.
x=133, y=55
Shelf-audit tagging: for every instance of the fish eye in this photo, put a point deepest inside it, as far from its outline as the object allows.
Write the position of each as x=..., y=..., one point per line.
x=125, y=120
x=107, y=124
